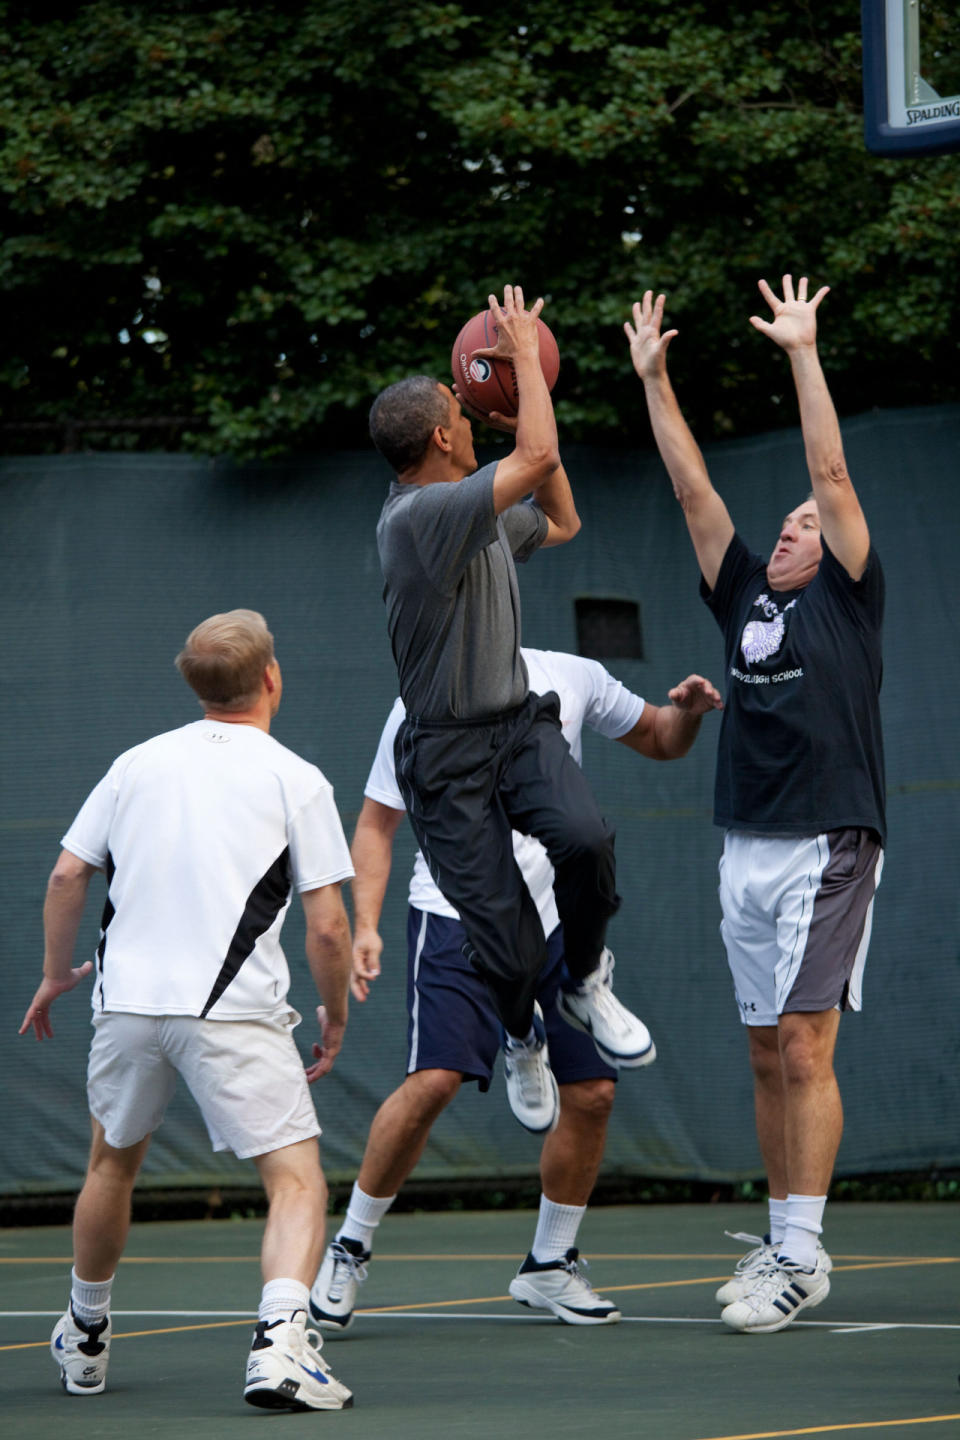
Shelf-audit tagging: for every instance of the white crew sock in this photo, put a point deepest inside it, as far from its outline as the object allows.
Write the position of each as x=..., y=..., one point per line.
x=778, y=1220
x=280, y=1298
x=804, y=1224
x=557, y=1227
x=364, y=1213
x=89, y=1299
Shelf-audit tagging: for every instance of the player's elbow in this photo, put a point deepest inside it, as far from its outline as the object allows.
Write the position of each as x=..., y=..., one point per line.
x=329, y=933
x=828, y=467
x=70, y=874
x=541, y=458
x=571, y=526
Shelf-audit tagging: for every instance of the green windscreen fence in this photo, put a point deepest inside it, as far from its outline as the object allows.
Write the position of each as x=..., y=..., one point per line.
x=108, y=561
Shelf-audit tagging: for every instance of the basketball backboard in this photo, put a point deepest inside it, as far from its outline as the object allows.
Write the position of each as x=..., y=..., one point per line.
x=911, y=76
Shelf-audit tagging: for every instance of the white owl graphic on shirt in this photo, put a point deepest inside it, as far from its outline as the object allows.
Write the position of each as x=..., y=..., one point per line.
x=763, y=638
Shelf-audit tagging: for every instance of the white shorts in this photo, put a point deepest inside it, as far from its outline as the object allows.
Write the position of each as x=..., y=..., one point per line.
x=246, y=1076
x=797, y=914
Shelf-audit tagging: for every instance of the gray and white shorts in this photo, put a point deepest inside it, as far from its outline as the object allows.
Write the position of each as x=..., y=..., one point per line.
x=245, y=1075
x=797, y=915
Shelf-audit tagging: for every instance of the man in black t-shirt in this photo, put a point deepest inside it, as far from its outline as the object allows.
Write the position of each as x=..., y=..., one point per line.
x=799, y=791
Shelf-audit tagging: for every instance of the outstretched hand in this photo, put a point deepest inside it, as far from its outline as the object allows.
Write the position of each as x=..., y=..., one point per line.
x=794, y=323
x=37, y=1017
x=696, y=696
x=648, y=348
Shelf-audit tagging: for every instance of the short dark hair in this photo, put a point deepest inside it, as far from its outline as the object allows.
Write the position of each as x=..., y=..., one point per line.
x=404, y=416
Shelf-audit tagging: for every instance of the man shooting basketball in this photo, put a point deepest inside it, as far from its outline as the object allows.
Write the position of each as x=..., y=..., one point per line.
x=478, y=754
x=799, y=791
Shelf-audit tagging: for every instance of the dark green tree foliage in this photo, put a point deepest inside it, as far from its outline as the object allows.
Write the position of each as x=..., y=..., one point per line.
x=256, y=216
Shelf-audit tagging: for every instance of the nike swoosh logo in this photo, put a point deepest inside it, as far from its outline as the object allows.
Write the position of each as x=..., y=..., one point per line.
x=59, y=1342
x=317, y=1374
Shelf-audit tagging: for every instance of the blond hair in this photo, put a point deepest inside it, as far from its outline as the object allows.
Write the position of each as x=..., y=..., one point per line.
x=224, y=658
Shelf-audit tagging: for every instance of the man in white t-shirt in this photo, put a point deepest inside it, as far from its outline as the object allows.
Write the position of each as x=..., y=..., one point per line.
x=203, y=833
x=454, y=1031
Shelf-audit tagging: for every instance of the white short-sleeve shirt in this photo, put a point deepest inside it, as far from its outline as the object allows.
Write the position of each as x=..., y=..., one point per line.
x=203, y=833
x=589, y=695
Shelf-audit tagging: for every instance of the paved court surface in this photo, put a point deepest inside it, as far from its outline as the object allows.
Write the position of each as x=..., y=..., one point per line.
x=439, y=1349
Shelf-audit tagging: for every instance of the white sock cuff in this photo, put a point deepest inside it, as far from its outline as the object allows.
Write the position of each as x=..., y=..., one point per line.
x=90, y=1299
x=806, y=1212
x=557, y=1227
x=777, y=1210
x=279, y=1298
x=364, y=1213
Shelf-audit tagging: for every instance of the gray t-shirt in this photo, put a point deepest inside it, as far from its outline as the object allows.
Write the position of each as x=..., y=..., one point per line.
x=450, y=588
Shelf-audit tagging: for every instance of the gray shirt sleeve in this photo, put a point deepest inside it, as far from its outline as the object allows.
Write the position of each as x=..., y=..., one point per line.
x=450, y=524
x=525, y=526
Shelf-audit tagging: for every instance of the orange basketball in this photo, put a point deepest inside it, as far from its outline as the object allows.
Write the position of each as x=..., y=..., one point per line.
x=485, y=385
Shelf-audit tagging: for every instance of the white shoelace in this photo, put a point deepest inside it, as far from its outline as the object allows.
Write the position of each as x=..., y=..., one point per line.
x=354, y=1268
x=752, y=1260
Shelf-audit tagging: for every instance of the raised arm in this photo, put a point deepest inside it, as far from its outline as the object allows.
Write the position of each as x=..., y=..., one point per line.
x=62, y=913
x=372, y=855
x=666, y=732
x=707, y=517
x=328, y=955
x=794, y=328
x=534, y=464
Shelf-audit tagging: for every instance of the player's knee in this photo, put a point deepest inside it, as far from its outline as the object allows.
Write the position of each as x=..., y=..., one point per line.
x=435, y=1088
x=589, y=850
x=589, y=1101
x=807, y=1041
x=803, y=1060
x=109, y=1165
x=765, y=1059
x=595, y=840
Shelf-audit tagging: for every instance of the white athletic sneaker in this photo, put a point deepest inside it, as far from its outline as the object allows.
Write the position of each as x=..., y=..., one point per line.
x=749, y=1266
x=285, y=1370
x=531, y=1084
x=334, y=1292
x=83, y=1352
x=619, y=1036
x=778, y=1295
x=558, y=1285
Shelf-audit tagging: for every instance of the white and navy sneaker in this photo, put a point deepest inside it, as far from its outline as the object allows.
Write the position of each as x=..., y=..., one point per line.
x=560, y=1286
x=82, y=1351
x=531, y=1084
x=285, y=1370
x=620, y=1038
x=778, y=1295
x=750, y=1265
x=334, y=1292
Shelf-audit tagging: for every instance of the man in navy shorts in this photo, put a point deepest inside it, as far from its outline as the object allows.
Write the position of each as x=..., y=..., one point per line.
x=454, y=1033
x=799, y=792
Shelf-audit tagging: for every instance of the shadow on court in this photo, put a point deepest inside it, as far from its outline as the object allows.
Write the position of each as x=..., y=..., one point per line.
x=438, y=1349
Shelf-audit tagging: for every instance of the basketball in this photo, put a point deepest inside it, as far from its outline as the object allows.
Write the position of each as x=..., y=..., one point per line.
x=485, y=385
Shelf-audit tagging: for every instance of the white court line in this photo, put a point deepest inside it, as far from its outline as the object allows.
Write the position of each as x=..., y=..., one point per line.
x=839, y=1327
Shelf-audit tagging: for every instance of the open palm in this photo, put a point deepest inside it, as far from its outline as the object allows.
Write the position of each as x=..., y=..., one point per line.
x=794, y=322
x=648, y=347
